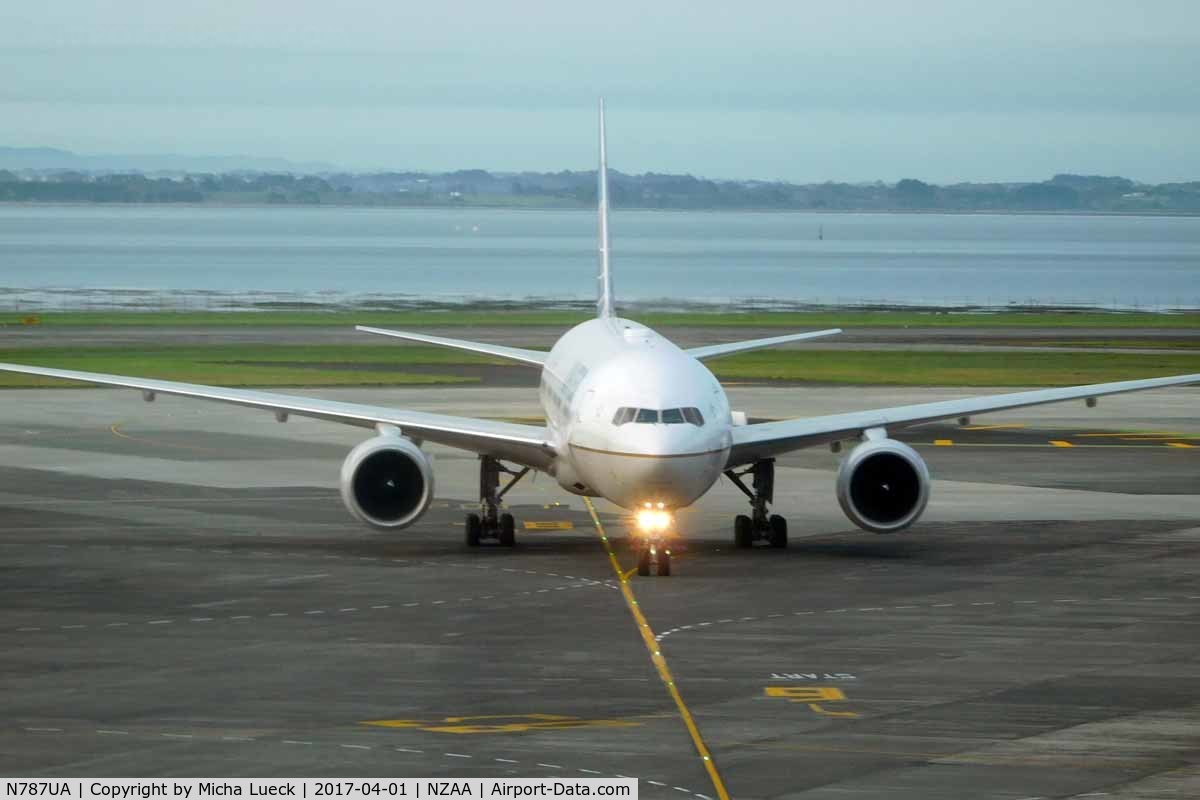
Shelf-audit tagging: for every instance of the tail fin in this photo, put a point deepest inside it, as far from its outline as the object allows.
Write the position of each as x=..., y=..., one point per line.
x=604, y=299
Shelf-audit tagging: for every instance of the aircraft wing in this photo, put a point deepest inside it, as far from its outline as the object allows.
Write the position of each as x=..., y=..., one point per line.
x=534, y=357
x=766, y=439
x=715, y=350
x=524, y=444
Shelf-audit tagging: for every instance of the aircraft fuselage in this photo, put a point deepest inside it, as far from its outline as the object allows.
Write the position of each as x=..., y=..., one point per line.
x=671, y=445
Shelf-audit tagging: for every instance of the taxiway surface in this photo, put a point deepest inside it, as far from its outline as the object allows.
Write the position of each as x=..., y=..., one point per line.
x=182, y=594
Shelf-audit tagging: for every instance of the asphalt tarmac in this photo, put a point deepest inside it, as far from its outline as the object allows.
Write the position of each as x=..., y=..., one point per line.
x=182, y=594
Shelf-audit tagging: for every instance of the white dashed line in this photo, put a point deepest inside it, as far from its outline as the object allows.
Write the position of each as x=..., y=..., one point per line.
x=550, y=766
x=295, y=741
x=506, y=760
x=875, y=609
x=104, y=732
x=408, y=750
x=456, y=755
x=355, y=746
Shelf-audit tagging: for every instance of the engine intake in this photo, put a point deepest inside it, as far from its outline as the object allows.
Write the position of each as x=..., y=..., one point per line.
x=387, y=482
x=883, y=485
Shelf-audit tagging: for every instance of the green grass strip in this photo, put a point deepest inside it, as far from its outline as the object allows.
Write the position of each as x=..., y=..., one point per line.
x=237, y=365
x=474, y=317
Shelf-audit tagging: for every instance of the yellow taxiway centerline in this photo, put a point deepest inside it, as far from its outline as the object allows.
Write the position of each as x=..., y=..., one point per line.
x=657, y=658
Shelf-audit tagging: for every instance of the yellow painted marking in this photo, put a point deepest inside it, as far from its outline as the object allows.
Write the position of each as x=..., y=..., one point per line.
x=549, y=525
x=504, y=723
x=993, y=427
x=627, y=574
x=115, y=429
x=805, y=694
x=1060, y=443
x=818, y=709
x=943, y=442
x=810, y=695
x=1180, y=444
x=659, y=661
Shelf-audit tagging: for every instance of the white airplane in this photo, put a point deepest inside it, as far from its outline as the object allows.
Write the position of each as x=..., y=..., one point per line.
x=632, y=418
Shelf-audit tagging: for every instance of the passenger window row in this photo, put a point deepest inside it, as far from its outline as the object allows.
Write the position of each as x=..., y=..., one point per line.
x=667, y=416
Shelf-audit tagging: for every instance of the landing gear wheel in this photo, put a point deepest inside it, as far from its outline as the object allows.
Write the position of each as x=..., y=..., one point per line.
x=664, y=563
x=777, y=534
x=643, y=565
x=508, y=535
x=474, y=530
x=743, y=531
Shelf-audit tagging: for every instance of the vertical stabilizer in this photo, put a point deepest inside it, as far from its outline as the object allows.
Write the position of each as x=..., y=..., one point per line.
x=604, y=298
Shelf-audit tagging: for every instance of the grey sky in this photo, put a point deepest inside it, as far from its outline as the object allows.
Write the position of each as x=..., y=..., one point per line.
x=803, y=91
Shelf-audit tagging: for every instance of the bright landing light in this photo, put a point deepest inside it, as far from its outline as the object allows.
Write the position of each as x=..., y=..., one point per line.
x=653, y=520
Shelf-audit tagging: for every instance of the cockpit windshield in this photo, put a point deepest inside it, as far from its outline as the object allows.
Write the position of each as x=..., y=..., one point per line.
x=652, y=416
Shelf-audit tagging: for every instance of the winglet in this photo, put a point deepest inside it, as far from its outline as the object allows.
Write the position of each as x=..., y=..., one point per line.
x=604, y=299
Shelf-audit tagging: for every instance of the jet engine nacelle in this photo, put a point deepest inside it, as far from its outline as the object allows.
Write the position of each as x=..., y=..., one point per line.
x=883, y=485
x=387, y=482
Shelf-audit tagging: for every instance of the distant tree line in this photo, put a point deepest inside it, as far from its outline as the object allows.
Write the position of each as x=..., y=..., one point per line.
x=565, y=189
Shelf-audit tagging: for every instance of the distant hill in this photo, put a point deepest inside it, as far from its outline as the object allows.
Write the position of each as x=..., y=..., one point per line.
x=49, y=175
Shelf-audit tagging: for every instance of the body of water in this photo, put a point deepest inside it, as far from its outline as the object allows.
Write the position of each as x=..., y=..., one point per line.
x=64, y=256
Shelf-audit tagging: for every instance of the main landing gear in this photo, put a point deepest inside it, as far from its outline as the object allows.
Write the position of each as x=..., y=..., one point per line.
x=490, y=523
x=759, y=525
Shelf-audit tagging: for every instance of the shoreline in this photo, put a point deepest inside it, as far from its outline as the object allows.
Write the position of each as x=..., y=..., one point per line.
x=617, y=209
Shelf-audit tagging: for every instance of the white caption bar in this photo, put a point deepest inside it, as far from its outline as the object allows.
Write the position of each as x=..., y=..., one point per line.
x=333, y=788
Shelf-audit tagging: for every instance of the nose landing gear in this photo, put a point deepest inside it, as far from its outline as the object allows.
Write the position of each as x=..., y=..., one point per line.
x=490, y=523
x=654, y=557
x=759, y=526
x=651, y=530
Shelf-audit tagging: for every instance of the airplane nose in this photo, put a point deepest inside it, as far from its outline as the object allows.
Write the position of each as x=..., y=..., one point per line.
x=669, y=467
